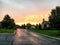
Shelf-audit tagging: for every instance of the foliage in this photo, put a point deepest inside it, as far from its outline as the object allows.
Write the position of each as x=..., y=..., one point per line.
x=23, y=26
x=28, y=25
x=8, y=22
x=54, y=19
x=38, y=26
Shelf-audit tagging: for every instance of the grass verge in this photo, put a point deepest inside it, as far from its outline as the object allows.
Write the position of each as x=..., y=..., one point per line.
x=53, y=33
x=7, y=30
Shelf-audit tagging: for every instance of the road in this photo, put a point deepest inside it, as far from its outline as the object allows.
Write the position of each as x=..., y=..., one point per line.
x=5, y=38
x=24, y=37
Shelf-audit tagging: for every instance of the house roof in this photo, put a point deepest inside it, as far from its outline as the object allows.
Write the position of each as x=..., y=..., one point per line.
x=45, y=22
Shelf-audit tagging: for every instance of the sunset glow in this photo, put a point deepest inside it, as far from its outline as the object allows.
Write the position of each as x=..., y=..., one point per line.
x=34, y=19
x=27, y=11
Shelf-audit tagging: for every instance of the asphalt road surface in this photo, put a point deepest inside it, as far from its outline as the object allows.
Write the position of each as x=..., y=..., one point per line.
x=24, y=37
x=5, y=38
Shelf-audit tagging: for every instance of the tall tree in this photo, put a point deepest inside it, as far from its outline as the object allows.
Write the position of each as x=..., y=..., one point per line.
x=8, y=22
x=39, y=26
x=54, y=19
x=0, y=25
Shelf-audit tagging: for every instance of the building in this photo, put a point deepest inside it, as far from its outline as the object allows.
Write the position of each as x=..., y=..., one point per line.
x=45, y=24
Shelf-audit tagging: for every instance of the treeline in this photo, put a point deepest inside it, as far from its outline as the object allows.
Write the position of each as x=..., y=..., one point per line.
x=8, y=23
x=53, y=23
x=30, y=26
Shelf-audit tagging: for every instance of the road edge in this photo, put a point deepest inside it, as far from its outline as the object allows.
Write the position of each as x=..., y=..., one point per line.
x=50, y=37
x=47, y=36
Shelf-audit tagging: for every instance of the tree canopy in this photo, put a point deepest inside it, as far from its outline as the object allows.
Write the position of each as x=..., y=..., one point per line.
x=8, y=22
x=54, y=19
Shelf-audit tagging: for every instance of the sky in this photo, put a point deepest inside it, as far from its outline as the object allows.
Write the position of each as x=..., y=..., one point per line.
x=27, y=11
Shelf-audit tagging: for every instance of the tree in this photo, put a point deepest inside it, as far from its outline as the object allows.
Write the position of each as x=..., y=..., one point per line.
x=39, y=26
x=8, y=22
x=12, y=23
x=54, y=19
x=28, y=25
x=36, y=26
x=23, y=26
x=0, y=25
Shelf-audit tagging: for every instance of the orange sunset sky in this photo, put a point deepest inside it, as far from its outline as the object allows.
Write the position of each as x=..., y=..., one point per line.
x=27, y=11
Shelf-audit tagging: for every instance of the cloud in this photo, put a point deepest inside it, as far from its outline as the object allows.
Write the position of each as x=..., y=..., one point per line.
x=31, y=5
x=18, y=9
x=1, y=5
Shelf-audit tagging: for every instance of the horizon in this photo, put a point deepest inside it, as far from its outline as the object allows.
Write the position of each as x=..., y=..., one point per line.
x=27, y=11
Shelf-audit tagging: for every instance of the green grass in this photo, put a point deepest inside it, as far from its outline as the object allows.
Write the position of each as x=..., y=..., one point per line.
x=7, y=30
x=53, y=33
